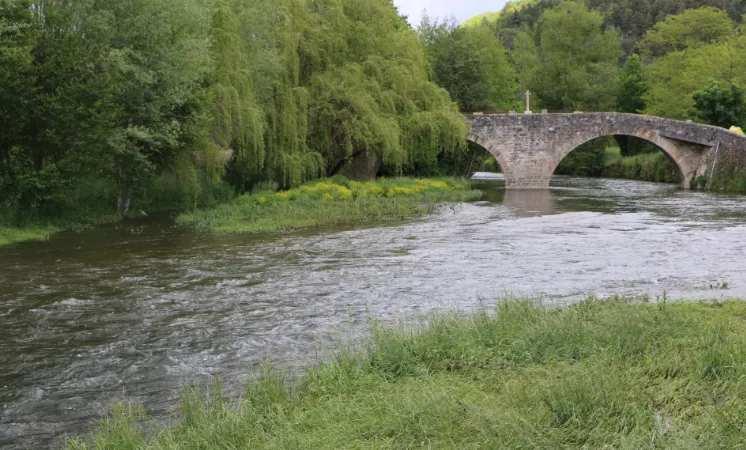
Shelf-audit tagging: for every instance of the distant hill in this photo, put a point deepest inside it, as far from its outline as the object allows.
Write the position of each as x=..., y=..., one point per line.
x=476, y=20
x=632, y=17
x=492, y=17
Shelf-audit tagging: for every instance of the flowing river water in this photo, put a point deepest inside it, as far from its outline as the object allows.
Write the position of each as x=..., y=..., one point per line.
x=137, y=309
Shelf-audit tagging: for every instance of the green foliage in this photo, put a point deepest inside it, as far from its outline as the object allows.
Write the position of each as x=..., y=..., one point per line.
x=632, y=145
x=113, y=91
x=334, y=201
x=598, y=374
x=476, y=158
x=574, y=65
x=634, y=18
x=585, y=161
x=691, y=29
x=471, y=64
x=632, y=87
x=721, y=106
x=690, y=49
x=373, y=94
x=193, y=91
x=643, y=166
x=675, y=77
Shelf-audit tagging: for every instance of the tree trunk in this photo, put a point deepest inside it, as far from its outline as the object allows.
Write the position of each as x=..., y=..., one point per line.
x=118, y=171
x=129, y=200
x=119, y=193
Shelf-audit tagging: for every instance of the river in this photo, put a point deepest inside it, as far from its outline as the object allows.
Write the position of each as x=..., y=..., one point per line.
x=139, y=308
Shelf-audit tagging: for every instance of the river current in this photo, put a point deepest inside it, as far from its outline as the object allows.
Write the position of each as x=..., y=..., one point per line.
x=136, y=310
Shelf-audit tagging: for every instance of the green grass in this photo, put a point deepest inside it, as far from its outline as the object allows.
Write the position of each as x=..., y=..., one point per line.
x=334, y=201
x=12, y=235
x=645, y=166
x=600, y=374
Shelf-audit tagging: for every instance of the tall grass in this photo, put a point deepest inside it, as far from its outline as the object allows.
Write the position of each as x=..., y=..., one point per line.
x=94, y=203
x=12, y=235
x=645, y=166
x=612, y=374
x=334, y=201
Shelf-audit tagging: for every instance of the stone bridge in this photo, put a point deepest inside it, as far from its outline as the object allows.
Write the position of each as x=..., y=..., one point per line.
x=529, y=147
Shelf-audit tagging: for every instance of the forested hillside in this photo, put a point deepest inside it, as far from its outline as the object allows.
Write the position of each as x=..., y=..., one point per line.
x=111, y=105
x=671, y=58
x=632, y=17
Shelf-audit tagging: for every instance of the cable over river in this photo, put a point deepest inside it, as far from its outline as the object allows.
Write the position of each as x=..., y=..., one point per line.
x=136, y=310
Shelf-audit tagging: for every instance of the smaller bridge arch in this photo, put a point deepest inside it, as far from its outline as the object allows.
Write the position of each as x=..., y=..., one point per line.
x=530, y=147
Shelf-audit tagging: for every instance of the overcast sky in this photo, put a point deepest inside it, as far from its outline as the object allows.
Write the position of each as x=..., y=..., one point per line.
x=462, y=9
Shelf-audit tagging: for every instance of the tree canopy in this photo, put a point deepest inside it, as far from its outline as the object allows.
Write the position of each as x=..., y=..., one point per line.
x=123, y=94
x=572, y=63
x=471, y=63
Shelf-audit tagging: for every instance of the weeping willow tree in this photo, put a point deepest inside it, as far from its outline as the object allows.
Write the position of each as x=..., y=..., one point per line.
x=238, y=122
x=260, y=110
x=290, y=160
x=369, y=89
x=303, y=85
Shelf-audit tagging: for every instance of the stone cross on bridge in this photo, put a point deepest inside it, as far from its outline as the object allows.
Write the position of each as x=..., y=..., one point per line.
x=529, y=147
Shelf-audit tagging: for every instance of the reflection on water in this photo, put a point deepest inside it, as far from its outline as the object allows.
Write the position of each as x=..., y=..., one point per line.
x=137, y=309
x=530, y=203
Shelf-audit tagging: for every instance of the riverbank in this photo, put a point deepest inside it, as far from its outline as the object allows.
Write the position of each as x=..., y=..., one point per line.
x=11, y=235
x=642, y=167
x=333, y=201
x=613, y=373
x=329, y=202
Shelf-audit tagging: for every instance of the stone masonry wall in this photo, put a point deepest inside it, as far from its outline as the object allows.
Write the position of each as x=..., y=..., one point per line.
x=529, y=147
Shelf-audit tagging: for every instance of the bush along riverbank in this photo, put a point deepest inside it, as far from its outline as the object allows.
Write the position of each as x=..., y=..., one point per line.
x=599, y=374
x=333, y=201
x=91, y=205
x=643, y=167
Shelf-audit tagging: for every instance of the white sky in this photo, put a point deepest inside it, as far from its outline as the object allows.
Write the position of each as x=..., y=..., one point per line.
x=461, y=9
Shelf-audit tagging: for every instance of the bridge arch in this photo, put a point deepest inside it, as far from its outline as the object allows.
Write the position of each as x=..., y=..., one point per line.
x=665, y=146
x=487, y=145
x=529, y=147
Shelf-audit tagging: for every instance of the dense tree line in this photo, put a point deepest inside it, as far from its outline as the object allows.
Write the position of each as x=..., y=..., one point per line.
x=122, y=98
x=174, y=103
x=671, y=58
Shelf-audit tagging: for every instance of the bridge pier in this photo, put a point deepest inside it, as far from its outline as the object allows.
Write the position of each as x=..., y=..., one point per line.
x=530, y=147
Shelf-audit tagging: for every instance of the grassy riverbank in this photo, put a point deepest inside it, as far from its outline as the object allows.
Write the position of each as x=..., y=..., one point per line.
x=12, y=235
x=43, y=229
x=644, y=167
x=334, y=201
x=600, y=374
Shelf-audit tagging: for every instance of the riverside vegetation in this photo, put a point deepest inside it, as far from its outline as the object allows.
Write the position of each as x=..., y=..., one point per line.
x=110, y=107
x=599, y=374
x=336, y=201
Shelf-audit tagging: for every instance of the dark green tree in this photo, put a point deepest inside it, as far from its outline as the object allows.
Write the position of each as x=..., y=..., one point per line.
x=720, y=105
x=574, y=63
x=632, y=87
x=631, y=99
x=471, y=64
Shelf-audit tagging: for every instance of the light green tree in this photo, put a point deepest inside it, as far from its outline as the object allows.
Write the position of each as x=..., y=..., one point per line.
x=675, y=77
x=576, y=59
x=631, y=99
x=632, y=87
x=471, y=64
x=691, y=29
x=721, y=106
x=369, y=91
